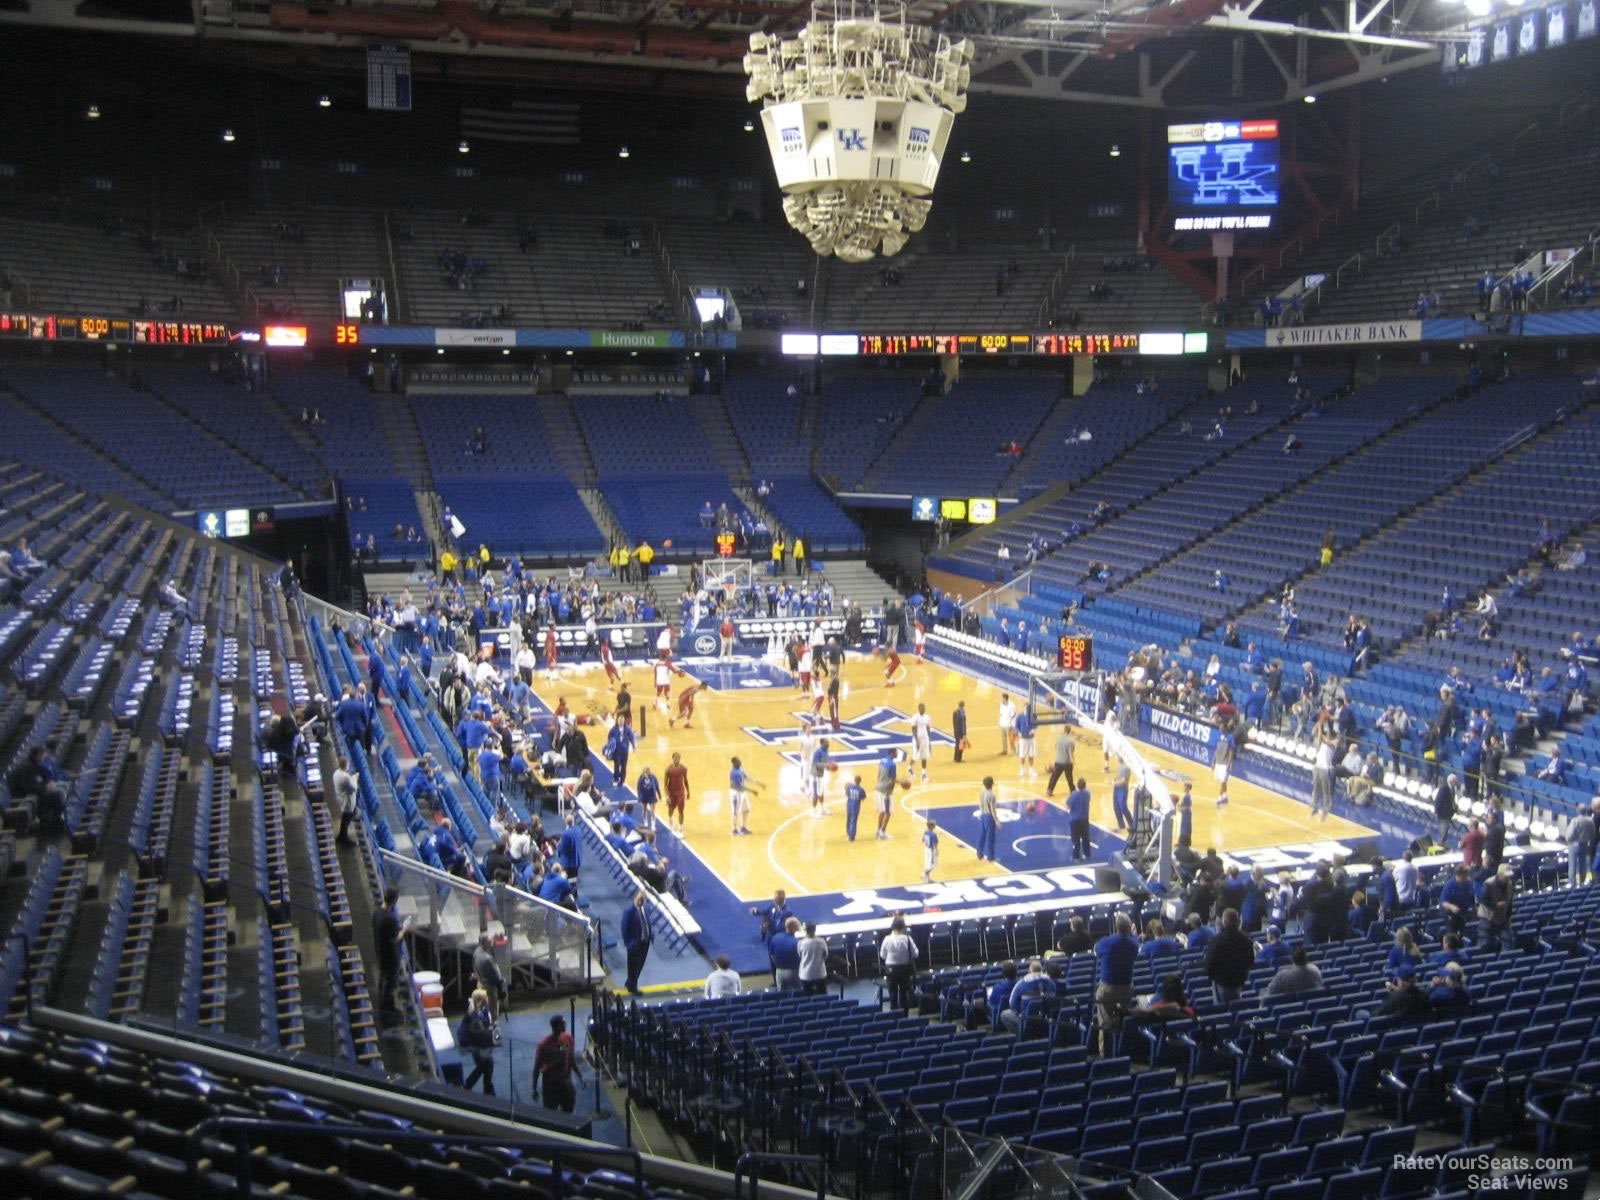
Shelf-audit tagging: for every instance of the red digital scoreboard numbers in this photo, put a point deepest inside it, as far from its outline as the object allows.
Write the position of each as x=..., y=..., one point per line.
x=1075, y=652
x=346, y=334
x=727, y=543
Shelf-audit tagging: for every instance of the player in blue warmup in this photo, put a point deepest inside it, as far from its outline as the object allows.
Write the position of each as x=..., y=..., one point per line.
x=930, y=850
x=648, y=789
x=740, y=785
x=988, y=820
x=854, y=794
x=1078, y=820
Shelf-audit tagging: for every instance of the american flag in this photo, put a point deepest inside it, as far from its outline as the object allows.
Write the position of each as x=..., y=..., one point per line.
x=528, y=122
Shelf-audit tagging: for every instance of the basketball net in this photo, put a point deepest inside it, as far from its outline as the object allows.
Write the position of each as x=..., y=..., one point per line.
x=1054, y=700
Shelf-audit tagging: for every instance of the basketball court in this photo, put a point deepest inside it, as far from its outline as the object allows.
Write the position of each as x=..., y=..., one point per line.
x=753, y=709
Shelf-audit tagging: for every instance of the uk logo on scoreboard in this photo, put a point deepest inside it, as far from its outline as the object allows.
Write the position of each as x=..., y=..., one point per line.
x=859, y=740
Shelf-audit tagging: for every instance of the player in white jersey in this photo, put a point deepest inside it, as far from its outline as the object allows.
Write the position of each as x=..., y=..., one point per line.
x=922, y=739
x=663, y=684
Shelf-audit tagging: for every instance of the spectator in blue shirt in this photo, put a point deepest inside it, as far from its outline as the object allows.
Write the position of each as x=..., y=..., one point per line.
x=1275, y=952
x=569, y=853
x=775, y=915
x=1404, y=952
x=1449, y=995
x=1361, y=914
x=350, y=715
x=1114, y=955
x=1458, y=900
x=1034, y=985
x=1197, y=934
x=784, y=950
x=558, y=889
x=1157, y=942
x=1000, y=991
x=1257, y=900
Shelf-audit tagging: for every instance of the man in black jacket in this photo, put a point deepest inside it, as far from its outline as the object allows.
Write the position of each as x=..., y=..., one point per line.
x=1077, y=939
x=1229, y=958
x=958, y=726
x=1494, y=907
x=30, y=780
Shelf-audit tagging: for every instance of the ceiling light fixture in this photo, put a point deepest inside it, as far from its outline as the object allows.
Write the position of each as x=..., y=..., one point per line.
x=463, y=147
x=93, y=112
x=1116, y=150
x=227, y=135
x=622, y=152
x=324, y=101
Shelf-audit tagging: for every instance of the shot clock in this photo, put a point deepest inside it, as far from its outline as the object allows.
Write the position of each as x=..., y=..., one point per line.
x=1075, y=652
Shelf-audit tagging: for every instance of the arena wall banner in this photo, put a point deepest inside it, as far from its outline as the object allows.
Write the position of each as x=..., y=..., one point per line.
x=1186, y=736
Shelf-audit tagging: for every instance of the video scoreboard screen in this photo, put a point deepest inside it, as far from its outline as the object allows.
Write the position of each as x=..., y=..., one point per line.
x=1222, y=175
x=55, y=327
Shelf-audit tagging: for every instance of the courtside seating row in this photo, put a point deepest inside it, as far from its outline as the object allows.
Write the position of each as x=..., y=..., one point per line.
x=82, y=1116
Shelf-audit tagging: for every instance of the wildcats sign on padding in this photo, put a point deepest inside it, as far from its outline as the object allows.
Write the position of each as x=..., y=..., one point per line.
x=1186, y=736
x=859, y=740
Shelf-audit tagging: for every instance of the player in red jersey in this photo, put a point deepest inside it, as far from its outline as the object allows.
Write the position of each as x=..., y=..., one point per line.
x=612, y=674
x=551, y=654
x=920, y=640
x=893, y=672
x=676, y=778
x=686, y=705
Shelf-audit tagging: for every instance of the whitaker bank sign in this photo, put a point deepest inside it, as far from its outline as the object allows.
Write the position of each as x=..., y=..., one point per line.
x=1365, y=333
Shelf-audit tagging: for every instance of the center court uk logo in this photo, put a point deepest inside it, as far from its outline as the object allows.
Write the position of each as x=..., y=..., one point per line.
x=858, y=740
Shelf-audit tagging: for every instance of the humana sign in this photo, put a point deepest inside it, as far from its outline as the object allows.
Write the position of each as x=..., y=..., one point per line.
x=647, y=339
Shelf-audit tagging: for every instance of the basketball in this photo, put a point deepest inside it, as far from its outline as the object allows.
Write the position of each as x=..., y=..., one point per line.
x=833, y=766
x=905, y=785
x=666, y=543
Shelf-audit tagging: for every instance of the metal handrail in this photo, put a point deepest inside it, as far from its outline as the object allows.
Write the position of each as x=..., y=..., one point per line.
x=1589, y=249
x=1338, y=274
x=1465, y=174
x=1377, y=242
x=750, y=1159
x=243, y=1127
x=1296, y=244
x=1418, y=212
x=1057, y=281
